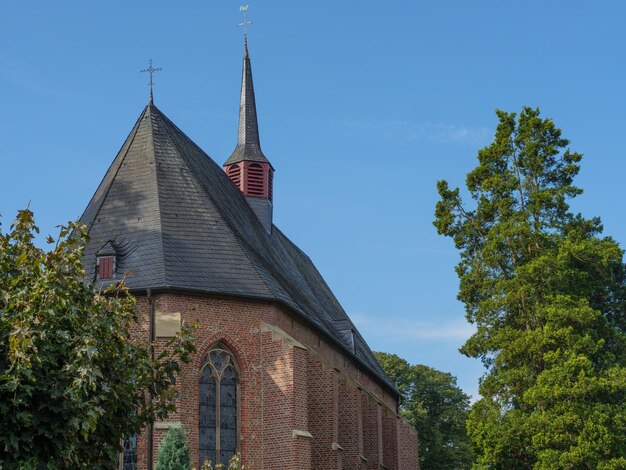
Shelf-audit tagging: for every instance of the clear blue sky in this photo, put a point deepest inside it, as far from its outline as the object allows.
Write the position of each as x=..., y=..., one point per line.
x=363, y=106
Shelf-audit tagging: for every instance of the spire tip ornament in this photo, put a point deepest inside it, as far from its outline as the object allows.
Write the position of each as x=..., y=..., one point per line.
x=245, y=23
x=151, y=70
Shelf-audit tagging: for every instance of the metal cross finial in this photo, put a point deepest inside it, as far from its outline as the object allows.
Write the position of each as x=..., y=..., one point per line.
x=244, y=9
x=151, y=70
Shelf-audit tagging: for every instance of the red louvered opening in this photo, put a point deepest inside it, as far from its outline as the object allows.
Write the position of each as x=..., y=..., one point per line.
x=234, y=173
x=270, y=184
x=255, y=180
x=105, y=267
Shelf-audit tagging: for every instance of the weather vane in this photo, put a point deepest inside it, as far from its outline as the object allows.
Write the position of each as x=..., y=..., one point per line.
x=244, y=9
x=151, y=70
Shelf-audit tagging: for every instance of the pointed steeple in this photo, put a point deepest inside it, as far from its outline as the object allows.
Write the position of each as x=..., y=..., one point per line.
x=247, y=167
x=248, y=142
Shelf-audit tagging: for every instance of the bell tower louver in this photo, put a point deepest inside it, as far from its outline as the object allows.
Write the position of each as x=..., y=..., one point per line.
x=247, y=167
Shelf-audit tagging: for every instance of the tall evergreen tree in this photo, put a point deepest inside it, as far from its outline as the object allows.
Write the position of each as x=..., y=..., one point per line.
x=547, y=295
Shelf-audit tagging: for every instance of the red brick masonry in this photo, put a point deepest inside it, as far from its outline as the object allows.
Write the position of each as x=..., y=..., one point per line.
x=305, y=404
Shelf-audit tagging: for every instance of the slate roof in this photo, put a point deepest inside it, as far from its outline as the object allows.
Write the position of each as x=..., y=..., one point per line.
x=248, y=142
x=176, y=222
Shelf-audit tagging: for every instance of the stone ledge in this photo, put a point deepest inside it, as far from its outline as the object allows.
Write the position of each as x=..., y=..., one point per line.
x=167, y=424
x=277, y=334
x=300, y=433
x=336, y=446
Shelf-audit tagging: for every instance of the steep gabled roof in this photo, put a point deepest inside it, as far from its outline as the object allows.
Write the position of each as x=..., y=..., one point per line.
x=177, y=222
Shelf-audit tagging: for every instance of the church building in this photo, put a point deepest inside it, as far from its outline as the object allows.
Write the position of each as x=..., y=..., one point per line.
x=281, y=374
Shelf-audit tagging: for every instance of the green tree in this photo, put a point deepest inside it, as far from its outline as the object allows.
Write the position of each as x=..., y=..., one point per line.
x=174, y=451
x=72, y=383
x=547, y=295
x=436, y=407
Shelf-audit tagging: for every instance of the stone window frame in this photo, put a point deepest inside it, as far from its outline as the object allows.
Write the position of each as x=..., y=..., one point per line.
x=128, y=456
x=232, y=361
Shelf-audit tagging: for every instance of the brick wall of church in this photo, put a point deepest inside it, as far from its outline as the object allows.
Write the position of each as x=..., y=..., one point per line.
x=407, y=445
x=305, y=405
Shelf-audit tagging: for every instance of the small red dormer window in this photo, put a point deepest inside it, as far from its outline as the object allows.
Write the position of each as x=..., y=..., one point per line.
x=105, y=267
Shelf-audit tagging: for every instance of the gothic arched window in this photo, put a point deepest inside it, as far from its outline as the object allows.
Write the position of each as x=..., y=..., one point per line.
x=129, y=455
x=218, y=436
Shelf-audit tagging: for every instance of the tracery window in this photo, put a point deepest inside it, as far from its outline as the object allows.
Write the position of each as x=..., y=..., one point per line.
x=218, y=436
x=128, y=458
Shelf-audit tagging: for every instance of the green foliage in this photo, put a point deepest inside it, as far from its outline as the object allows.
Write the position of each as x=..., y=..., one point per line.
x=174, y=452
x=547, y=295
x=436, y=407
x=72, y=383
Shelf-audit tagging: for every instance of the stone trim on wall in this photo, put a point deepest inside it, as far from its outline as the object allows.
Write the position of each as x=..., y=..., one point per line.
x=168, y=425
x=278, y=334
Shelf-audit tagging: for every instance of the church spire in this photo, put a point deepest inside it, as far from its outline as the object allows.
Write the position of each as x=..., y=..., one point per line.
x=247, y=167
x=248, y=141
